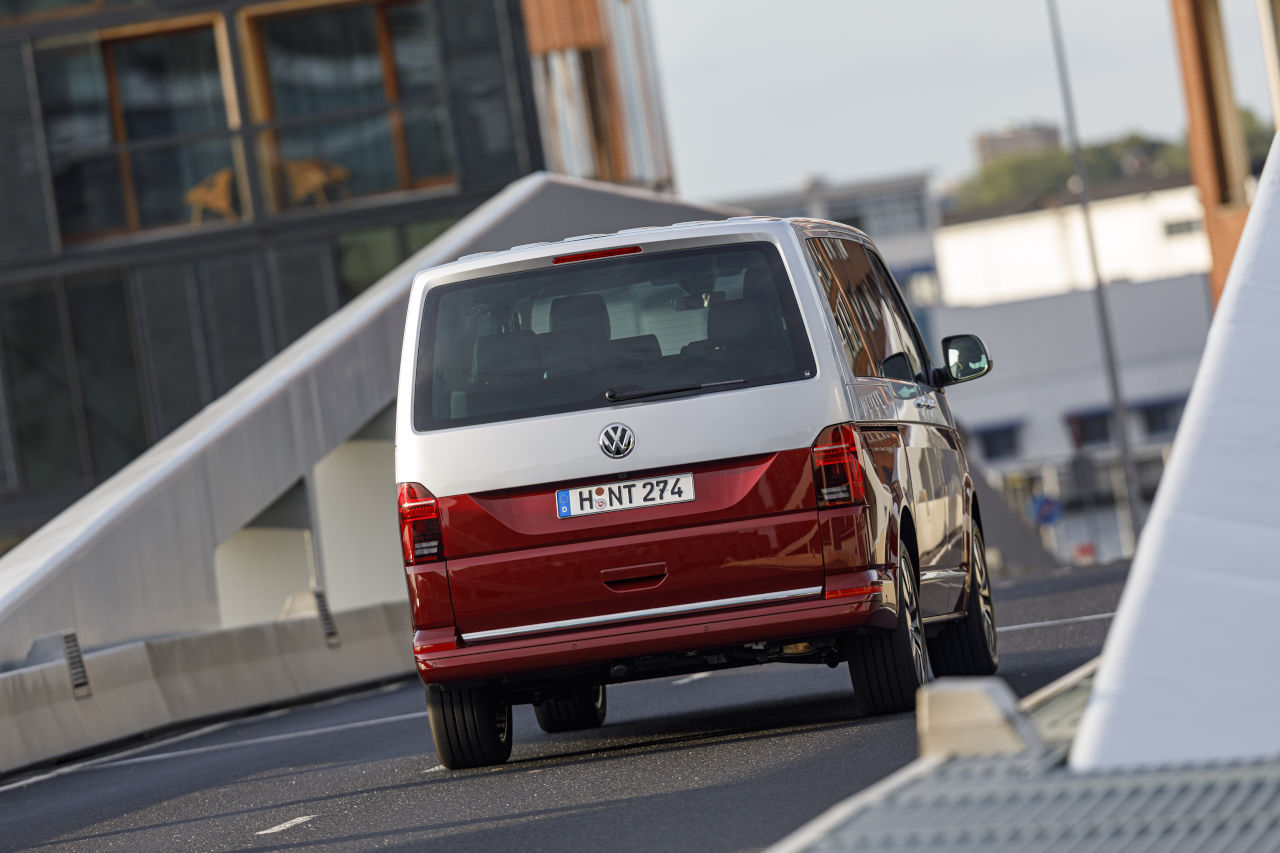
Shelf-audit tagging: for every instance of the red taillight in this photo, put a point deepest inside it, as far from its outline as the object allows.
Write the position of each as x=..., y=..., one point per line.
x=837, y=476
x=591, y=256
x=420, y=539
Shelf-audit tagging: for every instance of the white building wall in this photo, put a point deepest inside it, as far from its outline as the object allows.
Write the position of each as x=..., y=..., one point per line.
x=1048, y=366
x=257, y=570
x=1048, y=359
x=1045, y=252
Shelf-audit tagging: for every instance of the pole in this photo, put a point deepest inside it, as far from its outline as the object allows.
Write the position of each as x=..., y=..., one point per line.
x=1119, y=412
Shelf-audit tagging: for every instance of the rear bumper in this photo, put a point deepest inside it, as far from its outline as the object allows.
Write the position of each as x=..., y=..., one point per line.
x=596, y=645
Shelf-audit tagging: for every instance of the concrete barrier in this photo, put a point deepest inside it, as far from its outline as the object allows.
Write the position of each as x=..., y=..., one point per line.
x=150, y=685
x=234, y=669
x=44, y=719
x=366, y=651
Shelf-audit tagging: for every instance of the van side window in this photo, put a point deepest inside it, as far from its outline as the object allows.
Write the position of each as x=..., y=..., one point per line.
x=874, y=339
x=908, y=336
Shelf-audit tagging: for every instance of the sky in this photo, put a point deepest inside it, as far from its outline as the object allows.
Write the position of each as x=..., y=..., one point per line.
x=760, y=95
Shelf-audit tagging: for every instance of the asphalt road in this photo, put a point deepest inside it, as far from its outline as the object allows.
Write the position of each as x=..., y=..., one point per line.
x=728, y=761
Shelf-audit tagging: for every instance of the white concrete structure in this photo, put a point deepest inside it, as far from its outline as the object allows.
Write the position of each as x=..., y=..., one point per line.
x=284, y=485
x=1188, y=671
x=1151, y=235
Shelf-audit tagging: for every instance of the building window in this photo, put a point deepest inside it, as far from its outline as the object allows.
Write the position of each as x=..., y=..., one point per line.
x=1180, y=227
x=354, y=99
x=884, y=215
x=71, y=375
x=136, y=129
x=1161, y=419
x=107, y=369
x=362, y=257
x=1000, y=442
x=1090, y=428
x=45, y=428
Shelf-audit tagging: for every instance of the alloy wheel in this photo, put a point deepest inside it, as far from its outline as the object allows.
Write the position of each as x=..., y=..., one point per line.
x=982, y=583
x=911, y=608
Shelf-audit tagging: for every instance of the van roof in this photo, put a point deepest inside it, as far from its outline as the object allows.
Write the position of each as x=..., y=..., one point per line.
x=480, y=263
x=646, y=229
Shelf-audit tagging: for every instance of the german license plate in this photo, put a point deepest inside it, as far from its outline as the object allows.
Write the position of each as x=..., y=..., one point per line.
x=632, y=494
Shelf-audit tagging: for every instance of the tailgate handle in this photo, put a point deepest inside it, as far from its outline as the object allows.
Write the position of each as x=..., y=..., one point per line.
x=644, y=576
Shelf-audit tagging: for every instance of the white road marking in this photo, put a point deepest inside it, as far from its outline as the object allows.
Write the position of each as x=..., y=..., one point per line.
x=95, y=762
x=1095, y=617
x=690, y=678
x=288, y=823
x=114, y=757
x=219, y=747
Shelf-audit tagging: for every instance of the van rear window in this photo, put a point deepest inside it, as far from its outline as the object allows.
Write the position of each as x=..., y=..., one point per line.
x=647, y=326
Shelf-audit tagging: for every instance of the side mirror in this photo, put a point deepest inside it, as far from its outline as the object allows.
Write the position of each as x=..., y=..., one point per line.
x=966, y=358
x=898, y=367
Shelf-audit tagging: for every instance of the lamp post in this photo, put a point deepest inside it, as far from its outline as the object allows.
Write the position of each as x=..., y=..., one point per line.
x=1118, y=409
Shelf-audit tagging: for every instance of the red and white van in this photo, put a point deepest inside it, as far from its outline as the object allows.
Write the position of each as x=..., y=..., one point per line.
x=676, y=449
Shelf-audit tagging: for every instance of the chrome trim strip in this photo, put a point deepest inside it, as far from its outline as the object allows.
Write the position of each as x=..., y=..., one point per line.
x=940, y=574
x=643, y=614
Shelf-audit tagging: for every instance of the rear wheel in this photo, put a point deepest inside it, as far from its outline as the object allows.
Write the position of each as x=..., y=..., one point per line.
x=471, y=726
x=969, y=646
x=584, y=708
x=887, y=667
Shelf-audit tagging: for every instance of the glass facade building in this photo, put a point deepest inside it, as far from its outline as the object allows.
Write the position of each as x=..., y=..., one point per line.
x=189, y=187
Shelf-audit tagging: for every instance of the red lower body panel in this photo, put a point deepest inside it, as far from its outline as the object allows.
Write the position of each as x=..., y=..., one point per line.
x=547, y=653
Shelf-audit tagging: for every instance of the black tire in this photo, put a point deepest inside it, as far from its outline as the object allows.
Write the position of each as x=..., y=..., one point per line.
x=970, y=646
x=471, y=726
x=584, y=708
x=887, y=667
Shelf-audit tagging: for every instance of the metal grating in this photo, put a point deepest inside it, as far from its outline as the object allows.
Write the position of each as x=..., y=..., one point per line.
x=75, y=665
x=326, y=618
x=990, y=805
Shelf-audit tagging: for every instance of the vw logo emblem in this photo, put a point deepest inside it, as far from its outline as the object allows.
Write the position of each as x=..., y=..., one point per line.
x=617, y=441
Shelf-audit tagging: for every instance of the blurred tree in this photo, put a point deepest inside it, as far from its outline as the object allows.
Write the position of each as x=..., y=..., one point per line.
x=1022, y=180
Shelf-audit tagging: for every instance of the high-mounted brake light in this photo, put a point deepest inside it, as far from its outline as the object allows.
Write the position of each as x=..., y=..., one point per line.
x=837, y=476
x=420, y=539
x=591, y=256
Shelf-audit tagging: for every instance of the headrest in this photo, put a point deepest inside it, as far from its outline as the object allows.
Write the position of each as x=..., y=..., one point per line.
x=584, y=313
x=512, y=357
x=741, y=321
x=641, y=349
x=757, y=285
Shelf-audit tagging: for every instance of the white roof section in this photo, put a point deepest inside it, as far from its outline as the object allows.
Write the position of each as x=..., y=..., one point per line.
x=1189, y=669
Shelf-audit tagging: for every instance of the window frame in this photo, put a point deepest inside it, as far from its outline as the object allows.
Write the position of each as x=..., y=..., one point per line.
x=266, y=126
x=1014, y=430
x=881, y=270
x=123, y=149
x=1092, y=416
x=86, y=8
x=890, y=293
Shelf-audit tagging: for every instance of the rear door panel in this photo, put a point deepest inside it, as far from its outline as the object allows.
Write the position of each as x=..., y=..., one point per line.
x=751, y=530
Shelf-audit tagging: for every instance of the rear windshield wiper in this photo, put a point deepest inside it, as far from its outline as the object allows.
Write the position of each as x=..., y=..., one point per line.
x=618, y=396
